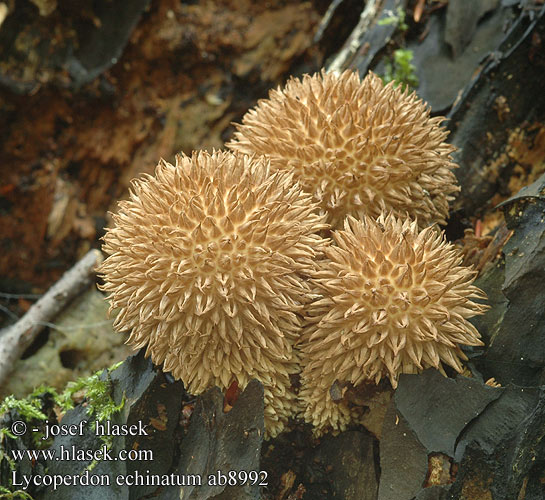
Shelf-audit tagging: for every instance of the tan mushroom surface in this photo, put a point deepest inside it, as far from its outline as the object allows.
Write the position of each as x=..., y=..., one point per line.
x=358, y=146
x=394, y=299
x=207, y=264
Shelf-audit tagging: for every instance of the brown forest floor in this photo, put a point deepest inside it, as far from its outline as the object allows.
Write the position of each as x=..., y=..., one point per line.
x=187, y=72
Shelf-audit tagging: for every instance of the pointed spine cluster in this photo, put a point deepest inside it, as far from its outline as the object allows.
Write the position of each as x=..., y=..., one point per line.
x=214, y=261
x=394, y=300
x=206, y=265
x=359, y=147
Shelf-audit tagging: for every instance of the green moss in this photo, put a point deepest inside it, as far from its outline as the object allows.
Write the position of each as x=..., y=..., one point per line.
x=29, y=408
x=4, y=433
x=401, y=70
x=100, y=406
x=97, y=392
x=5, y=494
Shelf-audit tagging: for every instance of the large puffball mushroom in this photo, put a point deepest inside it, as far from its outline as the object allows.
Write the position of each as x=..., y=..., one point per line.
x=359, y=147
x=207, y=263
x=395, y=299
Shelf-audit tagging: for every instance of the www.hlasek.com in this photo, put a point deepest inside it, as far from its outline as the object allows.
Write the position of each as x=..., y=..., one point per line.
x=88, y=478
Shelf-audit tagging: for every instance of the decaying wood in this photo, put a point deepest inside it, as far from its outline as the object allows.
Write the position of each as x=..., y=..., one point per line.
x=19, y=336
x=353, y=44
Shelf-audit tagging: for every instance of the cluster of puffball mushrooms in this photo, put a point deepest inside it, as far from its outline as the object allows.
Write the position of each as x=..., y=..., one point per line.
x=306, y=255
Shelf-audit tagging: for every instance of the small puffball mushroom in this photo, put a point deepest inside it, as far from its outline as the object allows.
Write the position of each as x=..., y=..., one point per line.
x=359, y=147
x=394, y=300
x=207, y=263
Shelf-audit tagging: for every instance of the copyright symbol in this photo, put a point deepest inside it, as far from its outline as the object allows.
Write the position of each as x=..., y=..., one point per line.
x=18, y=428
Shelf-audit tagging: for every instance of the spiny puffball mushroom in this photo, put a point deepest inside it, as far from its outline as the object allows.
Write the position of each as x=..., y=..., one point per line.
x=359, y=147
x=395, y=299
x=206, y=266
